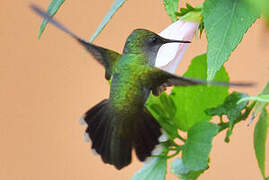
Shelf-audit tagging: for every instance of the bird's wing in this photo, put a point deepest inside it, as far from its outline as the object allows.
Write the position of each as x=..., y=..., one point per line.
x=106, y=57
x=159, y=80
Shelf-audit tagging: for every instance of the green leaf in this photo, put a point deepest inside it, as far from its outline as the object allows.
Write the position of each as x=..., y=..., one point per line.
x=260, y=134
x=52, y=9
x=163, y=109
x=193, y=16
x=115, y=6
x=191, y=102
x=169, y=105
x=155, y=169
x=225, y=24
x=198, y=145
x=232, y=109
x=184, y=173
x=260, y=105
x=171, y=7
x=201, y=27
x=266, y=89
x=190, y=13
x=262, y=6
x=189, y=6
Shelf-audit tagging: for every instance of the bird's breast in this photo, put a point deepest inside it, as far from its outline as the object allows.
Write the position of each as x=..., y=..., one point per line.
x=128, y=92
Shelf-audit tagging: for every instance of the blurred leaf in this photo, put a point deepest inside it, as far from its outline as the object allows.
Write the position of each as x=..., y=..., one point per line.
x=225, y=24
x=231, y=108
x=260, y=105
x=171, y=7
x=198, y=145
x=260, y=134
x=262, y=6
x=201, y=27
x=192, y=101
x=153, y=100
x=182, y=172
x=52, y=9
x=266, y=89
x=163, y=109
x=115, y=6
x=154, y=170
x=169, y=105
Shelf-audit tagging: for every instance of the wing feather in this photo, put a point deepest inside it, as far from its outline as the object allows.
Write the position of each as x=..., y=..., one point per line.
x=106, y=57
x=160, y=80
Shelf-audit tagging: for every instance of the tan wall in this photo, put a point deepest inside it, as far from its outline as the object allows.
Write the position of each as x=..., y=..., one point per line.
x=47, y=84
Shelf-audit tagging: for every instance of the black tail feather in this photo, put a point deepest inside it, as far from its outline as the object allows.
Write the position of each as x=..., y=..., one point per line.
x=113, y=148
x=146, y=135
x=100, y=130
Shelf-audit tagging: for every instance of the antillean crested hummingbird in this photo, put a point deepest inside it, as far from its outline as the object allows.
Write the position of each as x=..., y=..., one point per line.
x=122, y=122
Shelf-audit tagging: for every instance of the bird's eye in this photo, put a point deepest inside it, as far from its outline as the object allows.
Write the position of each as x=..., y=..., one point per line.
x=153, y=40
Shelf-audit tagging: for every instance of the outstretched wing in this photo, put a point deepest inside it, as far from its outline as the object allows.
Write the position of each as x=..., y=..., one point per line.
x=159, y=80
x=106, y=57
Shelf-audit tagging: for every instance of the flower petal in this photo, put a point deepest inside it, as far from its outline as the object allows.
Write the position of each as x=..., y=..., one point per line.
x=170, y=54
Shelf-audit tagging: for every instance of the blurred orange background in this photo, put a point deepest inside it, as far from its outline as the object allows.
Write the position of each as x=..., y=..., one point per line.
x=47, y=84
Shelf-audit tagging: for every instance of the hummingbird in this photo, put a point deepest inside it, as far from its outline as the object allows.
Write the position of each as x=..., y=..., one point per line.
x=121, y=122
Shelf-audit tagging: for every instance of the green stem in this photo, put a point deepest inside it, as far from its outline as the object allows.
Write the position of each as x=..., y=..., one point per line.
x=173, y=155
x=221, y=119
x=177, y=149
x=181, y=138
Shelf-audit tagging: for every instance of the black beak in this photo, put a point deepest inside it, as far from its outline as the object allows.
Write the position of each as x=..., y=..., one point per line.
x=173, y=41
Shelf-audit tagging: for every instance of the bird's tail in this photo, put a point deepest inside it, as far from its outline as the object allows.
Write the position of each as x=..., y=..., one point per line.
x=113, y=150
x=146, y=135
x=116, y=149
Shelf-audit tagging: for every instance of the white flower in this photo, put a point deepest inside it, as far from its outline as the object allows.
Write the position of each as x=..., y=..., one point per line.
x=170, y=54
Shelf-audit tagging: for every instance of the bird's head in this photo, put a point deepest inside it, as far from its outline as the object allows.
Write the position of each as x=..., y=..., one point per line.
x=142, y=41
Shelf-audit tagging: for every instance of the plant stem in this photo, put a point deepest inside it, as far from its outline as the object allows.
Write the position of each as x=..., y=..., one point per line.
x=221, y=119
x=223, y=126
x=173, y=155
x=181, y=138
